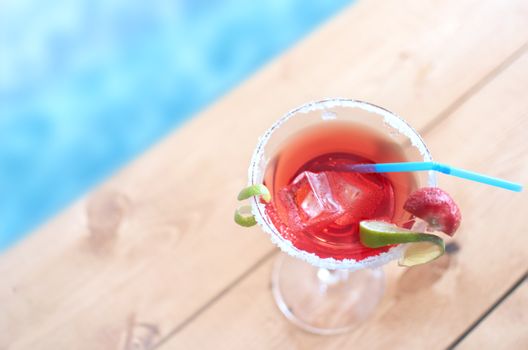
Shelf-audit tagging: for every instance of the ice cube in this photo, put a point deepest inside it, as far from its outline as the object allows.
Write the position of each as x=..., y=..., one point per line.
x=361, y=197
x=347, y=195
x=310, y=201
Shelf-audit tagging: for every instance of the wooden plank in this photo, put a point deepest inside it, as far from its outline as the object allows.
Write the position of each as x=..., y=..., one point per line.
x=505, y=328
x=141, y=254
x=426, y=307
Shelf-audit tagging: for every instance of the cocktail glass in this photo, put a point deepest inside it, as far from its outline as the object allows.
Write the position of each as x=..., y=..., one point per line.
x=327, y=295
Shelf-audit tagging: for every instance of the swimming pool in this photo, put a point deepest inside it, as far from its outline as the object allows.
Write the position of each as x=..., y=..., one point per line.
x=86, y=85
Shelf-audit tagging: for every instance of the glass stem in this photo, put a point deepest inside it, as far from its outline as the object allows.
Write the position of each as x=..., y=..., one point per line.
x=328, y=278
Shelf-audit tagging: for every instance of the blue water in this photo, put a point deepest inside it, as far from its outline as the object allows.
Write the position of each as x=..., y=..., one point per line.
x=86, y=85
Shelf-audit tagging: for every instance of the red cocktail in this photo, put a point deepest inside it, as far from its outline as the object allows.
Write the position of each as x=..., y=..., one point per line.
x=317, y=204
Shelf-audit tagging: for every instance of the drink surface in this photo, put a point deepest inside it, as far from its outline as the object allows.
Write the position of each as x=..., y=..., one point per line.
x=318, y=206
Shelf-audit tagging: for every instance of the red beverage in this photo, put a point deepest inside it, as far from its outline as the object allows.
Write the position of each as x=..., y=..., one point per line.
x=318, y=206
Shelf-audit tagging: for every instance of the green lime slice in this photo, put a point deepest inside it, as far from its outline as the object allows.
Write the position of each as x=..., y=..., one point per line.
x=243, y=216
x=255, y=190
x=424, y=247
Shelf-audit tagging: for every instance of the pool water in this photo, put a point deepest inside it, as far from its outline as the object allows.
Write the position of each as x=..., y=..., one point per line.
x=86, y=85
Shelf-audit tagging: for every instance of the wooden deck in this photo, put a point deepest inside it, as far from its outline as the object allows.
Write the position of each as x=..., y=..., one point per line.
x=152, y=260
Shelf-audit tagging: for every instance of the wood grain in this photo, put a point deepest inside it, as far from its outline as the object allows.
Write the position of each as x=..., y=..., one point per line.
x=133, y=261
x=426, y=307
x=505, y=328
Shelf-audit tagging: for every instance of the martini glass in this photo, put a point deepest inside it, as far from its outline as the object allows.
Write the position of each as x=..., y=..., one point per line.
x=329, y=295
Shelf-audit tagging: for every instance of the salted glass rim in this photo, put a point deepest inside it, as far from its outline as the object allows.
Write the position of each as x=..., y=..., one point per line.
x=257, y=168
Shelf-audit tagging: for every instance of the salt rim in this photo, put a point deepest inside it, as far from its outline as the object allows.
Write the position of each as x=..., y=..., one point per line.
x=255, y=177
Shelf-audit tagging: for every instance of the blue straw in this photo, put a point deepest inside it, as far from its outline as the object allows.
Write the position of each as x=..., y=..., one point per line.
x=442, y=168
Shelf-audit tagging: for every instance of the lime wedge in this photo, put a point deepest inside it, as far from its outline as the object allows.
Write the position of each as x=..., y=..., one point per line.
x=255, y=190
x=243, y=216
x=421, y=253
x=424, y=247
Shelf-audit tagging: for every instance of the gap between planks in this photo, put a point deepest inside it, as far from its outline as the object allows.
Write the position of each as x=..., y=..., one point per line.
x=486, y=313
x=474, y=89
x=217, y=297
x=449, y=110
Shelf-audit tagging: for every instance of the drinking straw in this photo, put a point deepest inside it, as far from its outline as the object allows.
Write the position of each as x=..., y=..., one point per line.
x=439, y=167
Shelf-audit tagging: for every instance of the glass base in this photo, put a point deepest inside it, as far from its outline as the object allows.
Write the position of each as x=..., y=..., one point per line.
x=325, y=301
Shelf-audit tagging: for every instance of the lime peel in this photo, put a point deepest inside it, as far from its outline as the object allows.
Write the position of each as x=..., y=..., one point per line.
x=243, y=216
x=255, y=190
x=422, y=247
